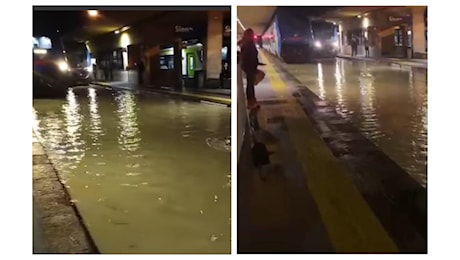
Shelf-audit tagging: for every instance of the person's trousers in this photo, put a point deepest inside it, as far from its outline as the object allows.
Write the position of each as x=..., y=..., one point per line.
x=250, y=79
x=140, y=77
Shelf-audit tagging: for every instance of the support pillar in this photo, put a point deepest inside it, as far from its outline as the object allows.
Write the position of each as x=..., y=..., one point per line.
x=214, y=45
x=177, y=64
x=418, y=31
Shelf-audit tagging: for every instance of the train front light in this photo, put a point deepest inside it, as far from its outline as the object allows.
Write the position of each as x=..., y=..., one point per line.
x=318, y=45
x=63, y=66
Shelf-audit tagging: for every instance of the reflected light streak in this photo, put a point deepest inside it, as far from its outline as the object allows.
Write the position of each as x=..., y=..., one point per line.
x=95, y=118
x=338, y=85
x=411, y=84
x=129, y=138
x=73, y=121
x=370, y=124
x=322, y=92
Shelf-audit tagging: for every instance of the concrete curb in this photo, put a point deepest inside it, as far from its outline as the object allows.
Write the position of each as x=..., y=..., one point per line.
x=388, y=62
x=205, y=97
x=58, y=226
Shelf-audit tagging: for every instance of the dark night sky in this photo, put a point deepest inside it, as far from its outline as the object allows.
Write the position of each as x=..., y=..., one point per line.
x=47, y=22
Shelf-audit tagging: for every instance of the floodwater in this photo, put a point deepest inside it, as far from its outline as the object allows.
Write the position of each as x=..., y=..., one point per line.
x=148, y=174
x=387, y=104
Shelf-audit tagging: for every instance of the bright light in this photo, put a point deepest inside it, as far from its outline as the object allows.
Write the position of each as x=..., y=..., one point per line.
x=336, y=44
x=125, y=40
x=40, y=51
x=93, y=13
x=318, y=44
x=365, y=22
x=63, y=66
x=89, y=69
x=409, y=32
x=359, y=16
x=117, y=32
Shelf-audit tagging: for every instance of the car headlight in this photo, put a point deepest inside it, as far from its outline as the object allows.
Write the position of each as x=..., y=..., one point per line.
x=63, y=66
x=89, y=69
x=318, y=44
x=335, y=44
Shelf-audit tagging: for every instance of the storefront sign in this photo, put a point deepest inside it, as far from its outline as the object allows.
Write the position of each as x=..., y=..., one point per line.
x=395, y=19
x=180, y=29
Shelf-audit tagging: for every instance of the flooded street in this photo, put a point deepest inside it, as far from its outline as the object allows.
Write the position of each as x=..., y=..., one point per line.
x=387, y=104
x=148, y=174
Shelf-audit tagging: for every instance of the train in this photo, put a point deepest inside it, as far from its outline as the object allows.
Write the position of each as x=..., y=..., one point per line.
x=296, y=37
x=59, y=64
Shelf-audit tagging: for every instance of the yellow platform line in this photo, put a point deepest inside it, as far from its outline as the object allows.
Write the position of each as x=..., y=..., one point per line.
x=351, y=225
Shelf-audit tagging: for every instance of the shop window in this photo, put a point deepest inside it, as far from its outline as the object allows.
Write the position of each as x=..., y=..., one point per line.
x=167, y=62
x=167, y=58
x=117, y=59
x=201, y=57
x=398, y=37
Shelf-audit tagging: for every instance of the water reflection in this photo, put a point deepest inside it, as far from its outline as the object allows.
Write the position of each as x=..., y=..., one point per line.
x=184, y=115
x=95, y=119
x=129, y=138
x=338, y=84
x=322, y=92
x=171, y=194
x=75, y=145
x=370, y=122
x=388, y=105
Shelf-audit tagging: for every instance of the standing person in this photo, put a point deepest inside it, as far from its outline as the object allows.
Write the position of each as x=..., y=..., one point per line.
x=224, y=74
x=366, y=46
x=95, y=71
x=354, y=46
x=104, y=69
x=110, y=69
x=140, y=72
x=249, y=63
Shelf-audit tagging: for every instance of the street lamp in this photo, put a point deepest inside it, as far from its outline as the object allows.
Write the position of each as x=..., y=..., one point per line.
x=93, y=13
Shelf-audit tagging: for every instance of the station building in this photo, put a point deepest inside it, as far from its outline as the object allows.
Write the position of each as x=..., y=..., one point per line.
x=399, y=32
x=179, y=49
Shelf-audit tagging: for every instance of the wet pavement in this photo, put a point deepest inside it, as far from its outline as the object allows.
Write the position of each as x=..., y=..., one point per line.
x=148, y=174
x=387, y=104
x=328, y=188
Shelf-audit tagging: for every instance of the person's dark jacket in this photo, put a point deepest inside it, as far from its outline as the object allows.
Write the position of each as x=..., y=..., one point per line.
x=249, y=57
x=140, y=67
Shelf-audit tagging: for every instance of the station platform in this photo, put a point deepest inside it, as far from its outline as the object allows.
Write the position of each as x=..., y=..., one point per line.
x=327, y=188
x=218, y=96
x=415, y=63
